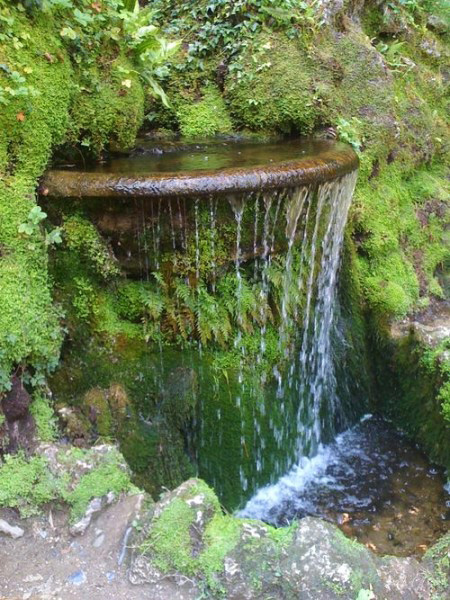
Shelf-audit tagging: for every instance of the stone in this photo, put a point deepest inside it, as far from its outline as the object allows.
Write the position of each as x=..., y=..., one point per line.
x=314, y=559
x=99, y=540
x=80, y=526
x=77, y=578
x=16, y=402
x=11, y=530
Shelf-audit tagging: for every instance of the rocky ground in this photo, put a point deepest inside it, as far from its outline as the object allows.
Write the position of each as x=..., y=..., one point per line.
x=184, y=548
x=47, y=561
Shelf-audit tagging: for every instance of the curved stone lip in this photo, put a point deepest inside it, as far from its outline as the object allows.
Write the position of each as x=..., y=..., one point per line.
x=325, y=166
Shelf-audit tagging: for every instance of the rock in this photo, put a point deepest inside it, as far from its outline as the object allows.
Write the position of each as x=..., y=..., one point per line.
x=11, y=530
x=99, y=540
x=248, y=559
x=16, y=402
x=77, y=578
x=80, y=526
x=437, y=24
x=431, y=328
x=430, y=48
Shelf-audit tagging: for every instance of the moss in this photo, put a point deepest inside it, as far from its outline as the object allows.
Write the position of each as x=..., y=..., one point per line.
x=438, y=559
x=27, y=484
x=274, y=88
x=82, y=238
x=107, y=113
x=110, y=476
x=200, y=548
x=399, y=236
x=35, y=117
x=415, y=382
x=44, y=416
x=206, y=117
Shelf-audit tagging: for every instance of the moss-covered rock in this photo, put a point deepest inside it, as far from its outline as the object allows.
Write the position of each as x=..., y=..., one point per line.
x=63, y=475
x=274, y=87
x=186, y=534
x=205, y=117
x=44, y=96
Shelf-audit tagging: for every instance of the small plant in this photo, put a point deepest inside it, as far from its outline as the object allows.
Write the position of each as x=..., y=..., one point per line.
x=32, y=224
x=393, y=56
x=348, y=132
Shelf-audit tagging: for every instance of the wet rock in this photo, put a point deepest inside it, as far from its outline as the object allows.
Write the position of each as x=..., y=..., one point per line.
x=431, y=327
x=80, y=526
x=18, y=430
x=77, y=426
x=11, y=530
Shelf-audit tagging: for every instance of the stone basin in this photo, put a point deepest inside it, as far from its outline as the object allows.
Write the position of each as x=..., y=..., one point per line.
x=176, y=170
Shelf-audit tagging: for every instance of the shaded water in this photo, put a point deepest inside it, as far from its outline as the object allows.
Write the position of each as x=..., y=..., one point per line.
x=211, y=156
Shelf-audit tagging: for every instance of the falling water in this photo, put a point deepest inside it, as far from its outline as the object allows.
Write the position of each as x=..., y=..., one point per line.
x=320, y=412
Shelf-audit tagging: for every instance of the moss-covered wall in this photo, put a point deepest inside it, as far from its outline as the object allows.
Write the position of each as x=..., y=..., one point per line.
x=48, y=95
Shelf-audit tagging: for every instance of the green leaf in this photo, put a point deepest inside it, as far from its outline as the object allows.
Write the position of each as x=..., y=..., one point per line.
x=131, y=5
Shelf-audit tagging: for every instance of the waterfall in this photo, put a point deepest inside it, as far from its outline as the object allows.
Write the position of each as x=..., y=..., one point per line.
x=282, y=409
x=277, y=403
x=320, y=413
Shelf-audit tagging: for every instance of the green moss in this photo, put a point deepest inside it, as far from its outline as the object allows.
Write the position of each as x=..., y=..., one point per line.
x=438, y=559
x=274, y=87
x=36, y=116
x=44, y=416
x=27, y=484
x=105, y=111
x=82, y=238
x=414, y=393
x=110, y=476
x=178, y=522
x=206, y=117
x=396, y=218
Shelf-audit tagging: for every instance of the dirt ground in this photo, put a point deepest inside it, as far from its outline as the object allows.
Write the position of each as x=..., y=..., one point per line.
x=50, y=563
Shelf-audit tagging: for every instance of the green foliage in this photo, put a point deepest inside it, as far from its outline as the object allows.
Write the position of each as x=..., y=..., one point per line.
x=206, y=117
x=228, y=27
x=26, y=484
x=81, y=237
x=348, y=132
x=44, y=417
x=29, y=483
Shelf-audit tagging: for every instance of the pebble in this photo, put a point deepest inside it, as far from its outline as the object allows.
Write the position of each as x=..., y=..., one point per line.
x=77, y=578
x=11, y=530
x=99, y=540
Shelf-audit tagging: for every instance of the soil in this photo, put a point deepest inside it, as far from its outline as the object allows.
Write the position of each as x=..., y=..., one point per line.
x=49, y=563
